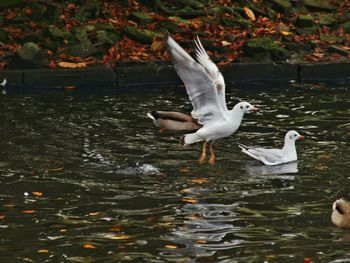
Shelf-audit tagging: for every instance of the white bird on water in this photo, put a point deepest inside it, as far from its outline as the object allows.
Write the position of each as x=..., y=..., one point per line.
x=3, y=84
x=205, y=87
x=275, y=156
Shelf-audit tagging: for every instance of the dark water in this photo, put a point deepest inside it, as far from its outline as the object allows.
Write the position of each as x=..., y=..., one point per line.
x=87, y=178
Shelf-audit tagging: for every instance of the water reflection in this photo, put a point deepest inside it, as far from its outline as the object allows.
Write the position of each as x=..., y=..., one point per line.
x=207, y=227
x=104, y=186
x=254, y=169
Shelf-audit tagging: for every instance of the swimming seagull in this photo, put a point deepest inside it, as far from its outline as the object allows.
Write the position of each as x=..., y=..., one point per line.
x=205, y=87
x=341, y=213
x=3, y=84
x=275, y=156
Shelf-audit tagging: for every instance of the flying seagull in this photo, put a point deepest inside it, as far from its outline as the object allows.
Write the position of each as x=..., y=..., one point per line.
x=205, y=86
x=275, y=156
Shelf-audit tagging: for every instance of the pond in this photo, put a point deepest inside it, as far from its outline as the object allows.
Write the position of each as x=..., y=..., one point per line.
x=87, y=178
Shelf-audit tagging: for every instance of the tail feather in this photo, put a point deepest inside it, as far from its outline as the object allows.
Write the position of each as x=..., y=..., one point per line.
x=190, y=138
x=245, y=149
x=150, y=115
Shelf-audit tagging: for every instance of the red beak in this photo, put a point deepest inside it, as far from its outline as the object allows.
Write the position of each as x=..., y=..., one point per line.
x=301, y=138
x=254, y=109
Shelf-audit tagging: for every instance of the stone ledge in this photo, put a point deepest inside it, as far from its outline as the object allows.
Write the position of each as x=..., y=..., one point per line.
x=160, y=73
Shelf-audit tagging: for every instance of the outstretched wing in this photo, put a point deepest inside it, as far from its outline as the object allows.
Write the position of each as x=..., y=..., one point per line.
x=212, y=71
x=200, y=87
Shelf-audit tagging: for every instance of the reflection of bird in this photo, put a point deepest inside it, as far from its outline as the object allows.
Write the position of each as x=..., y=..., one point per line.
x=205, y=87
x=341, y=213
x=275, y=156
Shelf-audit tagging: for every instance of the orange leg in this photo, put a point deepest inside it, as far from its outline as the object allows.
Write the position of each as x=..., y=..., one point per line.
x=162, y=130
x=204, y=153
x=212, y=155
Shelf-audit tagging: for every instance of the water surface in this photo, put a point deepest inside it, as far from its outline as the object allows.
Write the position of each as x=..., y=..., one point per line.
x=87, y=178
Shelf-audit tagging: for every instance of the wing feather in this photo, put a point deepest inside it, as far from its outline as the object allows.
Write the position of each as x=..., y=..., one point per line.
x=212, y=70
x=200, y=86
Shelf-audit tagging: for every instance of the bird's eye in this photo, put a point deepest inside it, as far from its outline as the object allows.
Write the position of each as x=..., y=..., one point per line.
x=295, y=135
x=247, y=106
x=241, y=107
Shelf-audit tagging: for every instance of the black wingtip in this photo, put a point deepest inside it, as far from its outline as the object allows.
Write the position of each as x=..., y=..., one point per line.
x=182, y=141
x=156, y=115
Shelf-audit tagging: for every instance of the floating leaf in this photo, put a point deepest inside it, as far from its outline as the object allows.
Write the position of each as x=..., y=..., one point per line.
x=199, y=181
x=43, y=251
x=249, y=13
x=119, y=237
x=28, y=211
x=94, y=213
x=37, y=193
x=89, y=246
x=190, y=200
x=115, y=229
x=72, y=64
x=307, y=260
x=170, y=246
x=2, y=216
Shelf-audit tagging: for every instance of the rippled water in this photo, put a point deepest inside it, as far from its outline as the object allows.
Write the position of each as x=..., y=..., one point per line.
x=88, y=178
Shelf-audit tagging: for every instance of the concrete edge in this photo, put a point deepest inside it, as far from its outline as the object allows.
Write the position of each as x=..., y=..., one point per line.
x=160, y=73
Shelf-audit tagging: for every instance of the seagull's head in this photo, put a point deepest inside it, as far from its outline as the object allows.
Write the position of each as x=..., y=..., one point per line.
x=341, y=213
x=246, y=107
x=294, y=136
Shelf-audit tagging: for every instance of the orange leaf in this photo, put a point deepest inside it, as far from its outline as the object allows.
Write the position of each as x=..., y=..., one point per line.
x=115, y=229
x=171, y=246
x=88, y=245
x=43, y=251
x=249, y=13
x=285, y=33
x=37, y=193
x=199, y=181
x=28, y=211
x=189, y=200
x=2, y=216
x=72, y=64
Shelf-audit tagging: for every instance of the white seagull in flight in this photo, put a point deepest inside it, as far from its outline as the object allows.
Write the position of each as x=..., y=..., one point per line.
x=205, y=87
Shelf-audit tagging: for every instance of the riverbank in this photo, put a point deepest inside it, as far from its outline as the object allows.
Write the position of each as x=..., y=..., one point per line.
x=160, y=73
